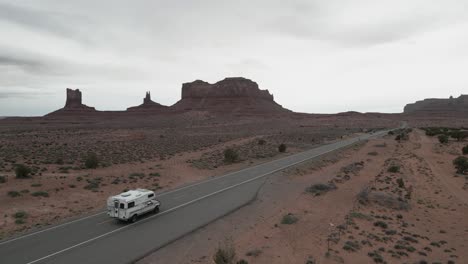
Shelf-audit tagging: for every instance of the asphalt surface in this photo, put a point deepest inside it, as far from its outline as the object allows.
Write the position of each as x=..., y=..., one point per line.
x=99, y=239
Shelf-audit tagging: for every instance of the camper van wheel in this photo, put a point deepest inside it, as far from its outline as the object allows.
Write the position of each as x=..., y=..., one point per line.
x=134, y=218
x=156, y=210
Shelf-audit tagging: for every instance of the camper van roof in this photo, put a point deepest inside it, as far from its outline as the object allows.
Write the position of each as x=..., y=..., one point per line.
x=132, y=194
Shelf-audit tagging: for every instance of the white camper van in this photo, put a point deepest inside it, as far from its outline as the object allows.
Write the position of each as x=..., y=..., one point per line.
x=129, y=205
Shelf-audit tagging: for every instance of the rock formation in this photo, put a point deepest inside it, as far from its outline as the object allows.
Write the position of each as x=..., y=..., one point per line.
x=74, y=105
x=450, y=106
x=228, y=95
x=148, y=105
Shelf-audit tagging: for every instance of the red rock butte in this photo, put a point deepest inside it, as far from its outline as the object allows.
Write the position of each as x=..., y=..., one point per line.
x=74, y=105
x=148, y=105
x=450, y=106
x=231, y=95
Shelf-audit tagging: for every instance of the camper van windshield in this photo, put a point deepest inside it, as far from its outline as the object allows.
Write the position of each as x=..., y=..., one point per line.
x=116, y=204
x=122, y=206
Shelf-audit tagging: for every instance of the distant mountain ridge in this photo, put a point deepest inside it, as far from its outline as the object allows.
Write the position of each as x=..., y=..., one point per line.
x=449, y=106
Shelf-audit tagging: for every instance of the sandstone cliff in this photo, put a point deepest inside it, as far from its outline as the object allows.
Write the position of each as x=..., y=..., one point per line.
x=228, y=95
x=450, y=106
x=73, y=104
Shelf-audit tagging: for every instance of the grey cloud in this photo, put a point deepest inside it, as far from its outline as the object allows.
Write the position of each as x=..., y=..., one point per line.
x=52, y=22
x=360, y=25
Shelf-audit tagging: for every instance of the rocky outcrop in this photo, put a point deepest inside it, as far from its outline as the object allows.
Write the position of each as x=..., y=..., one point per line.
x=450, y=106
x=148, y=105
x=228, y=95
x=74, y=105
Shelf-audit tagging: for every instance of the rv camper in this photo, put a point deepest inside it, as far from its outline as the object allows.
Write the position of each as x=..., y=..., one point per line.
x=128, y=206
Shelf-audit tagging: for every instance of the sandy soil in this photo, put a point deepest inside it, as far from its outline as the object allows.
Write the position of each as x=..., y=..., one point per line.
x=72, y=193
x=371, y=216
x=157, y=152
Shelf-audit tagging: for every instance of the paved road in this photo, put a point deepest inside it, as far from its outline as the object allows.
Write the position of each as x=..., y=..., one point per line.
x=98, y=239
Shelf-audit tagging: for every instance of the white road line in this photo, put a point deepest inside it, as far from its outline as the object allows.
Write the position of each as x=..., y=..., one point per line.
x=187, y=203
x=50, y=228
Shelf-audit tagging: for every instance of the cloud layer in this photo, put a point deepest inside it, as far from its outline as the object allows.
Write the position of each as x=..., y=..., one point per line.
x=315, y=56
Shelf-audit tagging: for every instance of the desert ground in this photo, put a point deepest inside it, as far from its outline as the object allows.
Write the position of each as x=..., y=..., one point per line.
x=157, y=153
x=387, y=201
x=349, y=206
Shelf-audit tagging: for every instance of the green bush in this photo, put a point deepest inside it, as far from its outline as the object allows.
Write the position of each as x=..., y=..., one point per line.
x=225, y=253
x=461, y=164
x=394, y=169
x=20, y=214
x=14, y=194
x=465, y=150
x=381, y=224
x=91, y=161
x=230, y=155
x=289, y=219
x=242, y=261
x=443, y=139
x=282, y=148
x=2, y=179
x=261, y=142
x=22, y=171
x=459, y=135
x=401, y=183
x=40, y=193
x=320, y=188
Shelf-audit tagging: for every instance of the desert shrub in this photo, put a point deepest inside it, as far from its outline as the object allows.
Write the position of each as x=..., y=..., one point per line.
x=360, y=215
x=22, y=171
x=289, y=219
x=225, y=253
x=59, y=161
x=381, y=224
x=40, y=194
x=2, y=179
x=320, y=188
x=459, y=135
x=261, y=142
x=461, y=164
x=20, y=214
x=91, y=161
x=373, y=153
x=93, y=184
x=242, y=261
x=401, y=183
x=351, y=246
x=387, y=200
x=443, y=139
x=155, y=174
x=465, y=150
x=14, y=194
x=230, y=155
x=394, y=169
x=363, y=196
x=282, y=148
x=376, y=256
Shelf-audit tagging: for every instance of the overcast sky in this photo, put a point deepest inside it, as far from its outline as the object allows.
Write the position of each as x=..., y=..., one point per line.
x=315, y=56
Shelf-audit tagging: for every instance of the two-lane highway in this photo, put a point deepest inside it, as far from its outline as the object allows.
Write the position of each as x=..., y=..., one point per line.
x=98, y=239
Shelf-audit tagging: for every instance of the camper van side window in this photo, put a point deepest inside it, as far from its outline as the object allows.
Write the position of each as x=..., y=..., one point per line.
x=150, y=195
x=122, y=206
x=131, y=204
